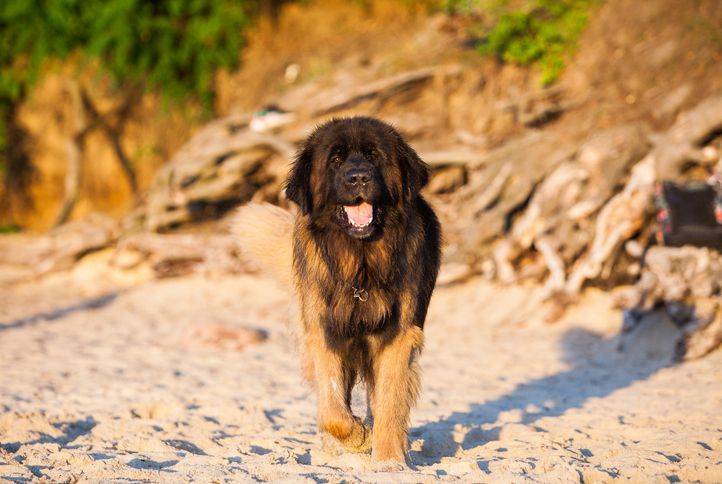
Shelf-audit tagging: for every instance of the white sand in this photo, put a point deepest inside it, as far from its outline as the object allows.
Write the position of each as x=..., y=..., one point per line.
x=126, y=392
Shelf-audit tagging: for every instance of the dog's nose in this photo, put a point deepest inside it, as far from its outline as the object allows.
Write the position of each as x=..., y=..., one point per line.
x=357, y=176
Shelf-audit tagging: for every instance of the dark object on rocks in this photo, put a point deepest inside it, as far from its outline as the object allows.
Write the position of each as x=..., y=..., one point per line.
x=687, y=283
x=689, y=214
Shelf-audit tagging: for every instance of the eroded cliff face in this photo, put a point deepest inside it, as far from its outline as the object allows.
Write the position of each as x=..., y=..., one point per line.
x=54, y=117
x=637, y=62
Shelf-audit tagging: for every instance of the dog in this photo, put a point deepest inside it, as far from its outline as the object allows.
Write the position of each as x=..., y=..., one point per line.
x=363, y=253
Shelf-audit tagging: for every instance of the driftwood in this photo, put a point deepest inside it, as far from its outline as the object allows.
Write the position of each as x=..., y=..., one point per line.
x=541, y=206
x=447, y=180
x=221, y=166
x=617, y=221
x=537, y=108
x=454, y=156
x=499, y=184
x=61, y=248
x=26, y=257
x=545, y=205
x=557, y=222
x=227, y=164
x=551, y=206
x=171, y=255
x=347, y=98
x=687, y=283
x=626, y=212
x=685, y=139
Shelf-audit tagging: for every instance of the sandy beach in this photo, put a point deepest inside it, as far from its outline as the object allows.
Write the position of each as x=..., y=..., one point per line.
x=154, y=382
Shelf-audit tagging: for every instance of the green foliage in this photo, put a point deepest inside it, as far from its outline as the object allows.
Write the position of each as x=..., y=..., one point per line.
x=170, y=46
x=27, y=38
x=30, y=32
x=173, y=46
x=543, y=32
x=9, y=229
x=466, y=7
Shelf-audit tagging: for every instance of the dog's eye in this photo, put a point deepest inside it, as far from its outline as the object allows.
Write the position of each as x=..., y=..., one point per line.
x=336, y=160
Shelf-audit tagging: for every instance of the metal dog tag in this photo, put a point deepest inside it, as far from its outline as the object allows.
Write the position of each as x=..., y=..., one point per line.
x=361, y=294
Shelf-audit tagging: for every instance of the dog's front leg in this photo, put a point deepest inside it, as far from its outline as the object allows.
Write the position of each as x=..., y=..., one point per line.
x=333, y=379
x=395, y=389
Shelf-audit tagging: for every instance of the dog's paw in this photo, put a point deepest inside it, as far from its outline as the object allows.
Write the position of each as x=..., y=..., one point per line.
x=359, y=441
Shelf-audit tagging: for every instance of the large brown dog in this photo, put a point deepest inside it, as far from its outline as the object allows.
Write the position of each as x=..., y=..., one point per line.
x=366, y=251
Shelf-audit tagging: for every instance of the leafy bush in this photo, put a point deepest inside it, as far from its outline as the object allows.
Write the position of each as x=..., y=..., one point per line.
x=173, y=46
x=9, y=229
x=542, y=32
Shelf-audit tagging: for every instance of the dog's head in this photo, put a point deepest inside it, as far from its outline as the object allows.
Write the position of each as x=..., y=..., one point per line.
x=352, y=172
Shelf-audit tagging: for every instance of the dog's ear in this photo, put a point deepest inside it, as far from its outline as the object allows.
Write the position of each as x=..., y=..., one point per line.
x=414, y=171
x=298, y=183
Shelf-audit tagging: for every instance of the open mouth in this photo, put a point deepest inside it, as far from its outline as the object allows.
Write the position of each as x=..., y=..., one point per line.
x=359, y=216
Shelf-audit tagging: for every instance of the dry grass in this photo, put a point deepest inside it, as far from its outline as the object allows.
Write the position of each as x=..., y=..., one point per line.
x=327, y=39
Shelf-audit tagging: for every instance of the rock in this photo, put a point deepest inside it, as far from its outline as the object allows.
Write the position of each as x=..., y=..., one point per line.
x=687, y=283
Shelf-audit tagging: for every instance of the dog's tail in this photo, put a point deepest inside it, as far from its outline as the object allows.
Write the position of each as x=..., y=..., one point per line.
x=264, y=234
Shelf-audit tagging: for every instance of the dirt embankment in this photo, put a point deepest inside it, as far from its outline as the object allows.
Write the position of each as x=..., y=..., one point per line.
x=636, y=62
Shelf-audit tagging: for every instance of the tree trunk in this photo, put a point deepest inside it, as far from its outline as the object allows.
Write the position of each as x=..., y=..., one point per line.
x=74, y=147
x=18, y=168
x=114, y=134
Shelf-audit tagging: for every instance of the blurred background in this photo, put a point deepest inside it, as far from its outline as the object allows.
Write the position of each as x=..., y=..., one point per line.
x=96, y=97
x=549, y=126
x=535, y=115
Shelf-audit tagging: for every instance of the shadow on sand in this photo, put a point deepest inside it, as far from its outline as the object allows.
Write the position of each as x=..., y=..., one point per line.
x=592, y=359
x=92, y=303
x=68, y=432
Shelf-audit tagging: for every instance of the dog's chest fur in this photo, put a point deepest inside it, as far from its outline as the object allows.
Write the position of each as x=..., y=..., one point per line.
x=359, y=282
x=365, y=273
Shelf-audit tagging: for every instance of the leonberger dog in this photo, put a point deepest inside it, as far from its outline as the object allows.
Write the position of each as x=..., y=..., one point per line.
x=364, y=257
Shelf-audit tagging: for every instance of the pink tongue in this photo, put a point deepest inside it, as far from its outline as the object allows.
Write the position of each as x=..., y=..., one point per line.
x=360, y=215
